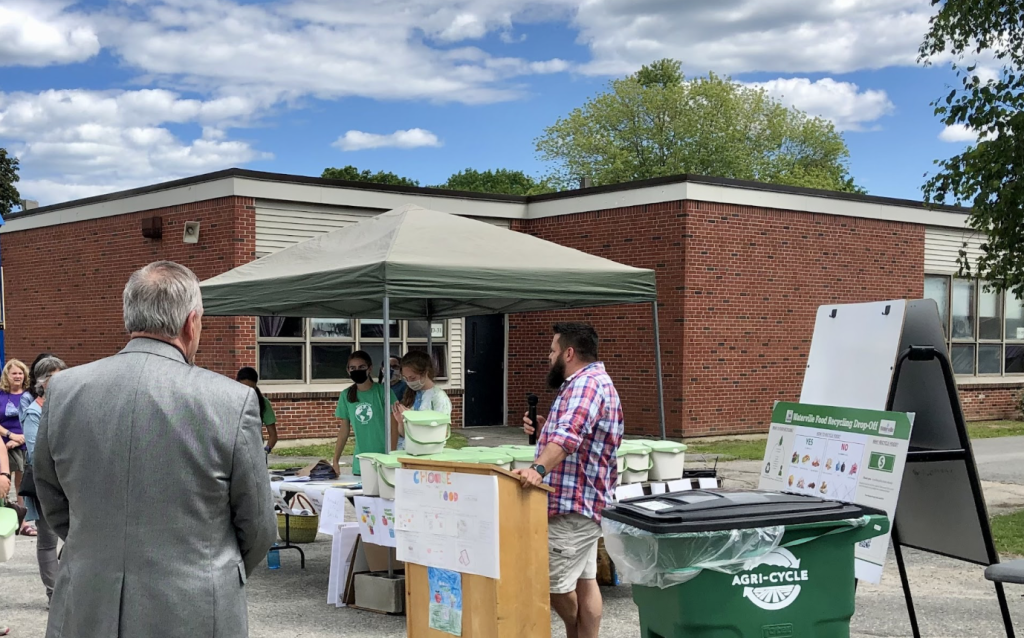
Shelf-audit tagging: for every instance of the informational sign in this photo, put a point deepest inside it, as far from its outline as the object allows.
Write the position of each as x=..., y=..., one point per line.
x=840, y=454
x=342, y=547
x=448, y=520
x=445, y=600
x=376, y=518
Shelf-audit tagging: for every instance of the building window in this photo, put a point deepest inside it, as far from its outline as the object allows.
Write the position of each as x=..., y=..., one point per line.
x=292, y=349
x=984, y=328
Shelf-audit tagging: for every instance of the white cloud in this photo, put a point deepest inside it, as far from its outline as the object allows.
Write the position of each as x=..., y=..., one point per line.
x=958, y=133
x=412, y=138
x=79, y=142
x=40, y=32
x=738, y=36
x=841, y=102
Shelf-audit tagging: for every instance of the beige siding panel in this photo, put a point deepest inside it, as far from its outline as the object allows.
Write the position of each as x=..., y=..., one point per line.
x=942, y=248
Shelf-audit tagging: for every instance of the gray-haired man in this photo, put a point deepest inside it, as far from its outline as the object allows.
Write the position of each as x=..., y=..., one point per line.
x=152, y=472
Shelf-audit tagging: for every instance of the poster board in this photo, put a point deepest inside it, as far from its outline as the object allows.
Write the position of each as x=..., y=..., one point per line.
x=842, y=454
x=376, y=518
x=448, y=520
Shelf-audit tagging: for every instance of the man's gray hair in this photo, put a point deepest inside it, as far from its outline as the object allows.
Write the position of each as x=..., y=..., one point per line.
x=43, y=370
x=159, y=297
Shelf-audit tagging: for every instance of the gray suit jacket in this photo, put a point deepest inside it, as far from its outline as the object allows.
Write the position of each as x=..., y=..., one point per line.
x=153, y=473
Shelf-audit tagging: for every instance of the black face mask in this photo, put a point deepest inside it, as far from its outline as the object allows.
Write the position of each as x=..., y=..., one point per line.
x=556, y=375
x=359, y=376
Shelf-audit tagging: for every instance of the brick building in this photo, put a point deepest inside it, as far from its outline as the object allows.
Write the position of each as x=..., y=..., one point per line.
x=741, y=269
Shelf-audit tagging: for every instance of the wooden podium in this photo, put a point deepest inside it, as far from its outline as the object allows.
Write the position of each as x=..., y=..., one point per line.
x=518, y=603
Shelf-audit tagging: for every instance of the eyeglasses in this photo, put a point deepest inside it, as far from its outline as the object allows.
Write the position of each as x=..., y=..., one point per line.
x=356, y=368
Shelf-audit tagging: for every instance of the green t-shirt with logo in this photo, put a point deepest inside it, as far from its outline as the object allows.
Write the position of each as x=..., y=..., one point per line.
x=368, y=417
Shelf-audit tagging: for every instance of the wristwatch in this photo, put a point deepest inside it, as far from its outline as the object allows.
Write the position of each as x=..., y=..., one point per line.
x=6, y=474
x=539, y=469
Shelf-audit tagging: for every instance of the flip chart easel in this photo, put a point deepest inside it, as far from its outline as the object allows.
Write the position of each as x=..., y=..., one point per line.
x=891, y=356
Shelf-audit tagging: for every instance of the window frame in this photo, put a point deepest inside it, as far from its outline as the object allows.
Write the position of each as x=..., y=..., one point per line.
x=356, y=341
x=977, y=342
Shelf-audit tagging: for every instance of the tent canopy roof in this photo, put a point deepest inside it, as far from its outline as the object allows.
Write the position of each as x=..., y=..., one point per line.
x=429, y=265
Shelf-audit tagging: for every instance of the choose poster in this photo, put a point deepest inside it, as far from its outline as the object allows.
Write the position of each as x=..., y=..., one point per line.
x=840, y=454
x=448, y=520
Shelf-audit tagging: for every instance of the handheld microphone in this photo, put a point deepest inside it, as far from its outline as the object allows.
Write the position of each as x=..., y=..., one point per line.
x=531, y=400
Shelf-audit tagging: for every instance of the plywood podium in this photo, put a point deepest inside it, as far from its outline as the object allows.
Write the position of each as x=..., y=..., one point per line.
x=517, y=604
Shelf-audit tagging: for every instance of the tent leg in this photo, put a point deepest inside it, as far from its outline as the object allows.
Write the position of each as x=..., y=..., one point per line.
x=387, y=412
x=657, y=365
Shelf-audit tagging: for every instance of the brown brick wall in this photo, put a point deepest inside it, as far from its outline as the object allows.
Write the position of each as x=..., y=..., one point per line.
x=738, y=288
x=990, y=402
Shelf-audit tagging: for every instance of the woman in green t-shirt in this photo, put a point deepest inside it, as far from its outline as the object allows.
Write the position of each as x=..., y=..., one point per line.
x=249, y=377
x=362, y=411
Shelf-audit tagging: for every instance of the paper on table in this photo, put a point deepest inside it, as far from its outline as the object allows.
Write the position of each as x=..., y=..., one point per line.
x=367, y=516
x=682, y=485
x=386, y=517
x=634, y=490
x=343, y=546
x=657, y=488
x=332, y=511
x=708, y=483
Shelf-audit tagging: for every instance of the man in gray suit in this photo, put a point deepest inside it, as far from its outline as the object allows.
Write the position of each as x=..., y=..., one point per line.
x=152, y=472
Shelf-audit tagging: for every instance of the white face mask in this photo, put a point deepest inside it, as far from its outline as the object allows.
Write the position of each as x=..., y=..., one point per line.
x=415, y=386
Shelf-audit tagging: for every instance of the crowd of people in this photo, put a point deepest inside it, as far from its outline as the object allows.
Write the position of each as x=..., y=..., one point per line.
x=117, y=432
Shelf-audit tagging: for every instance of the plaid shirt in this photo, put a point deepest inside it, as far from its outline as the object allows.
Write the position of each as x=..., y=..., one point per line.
x=585, y=421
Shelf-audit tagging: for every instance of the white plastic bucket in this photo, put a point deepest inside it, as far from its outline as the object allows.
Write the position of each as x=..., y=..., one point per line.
x=620, y=463
x=638, y=462
x=426, y=432
x=368, y=467
x=8, y=525
x=522, y=459
x=386, y=475
x=667, y=460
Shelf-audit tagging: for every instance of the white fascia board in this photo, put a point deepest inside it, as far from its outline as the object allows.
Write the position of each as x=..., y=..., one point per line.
x=607, y=201
x=149, y=201
x=379, y=200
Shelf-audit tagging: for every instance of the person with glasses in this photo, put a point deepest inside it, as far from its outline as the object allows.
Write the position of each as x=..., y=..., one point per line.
x=362, y=411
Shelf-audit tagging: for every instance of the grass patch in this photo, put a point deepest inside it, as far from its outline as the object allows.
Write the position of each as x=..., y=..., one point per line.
x=326, y=450
x=730, y=449
x=284, y=466
x=994, y=429
x=1008, y=532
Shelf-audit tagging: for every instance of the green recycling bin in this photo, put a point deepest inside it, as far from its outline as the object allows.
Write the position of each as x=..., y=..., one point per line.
x=740, y=564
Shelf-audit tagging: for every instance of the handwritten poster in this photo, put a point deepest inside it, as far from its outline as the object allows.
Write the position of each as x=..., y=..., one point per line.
x=445, y=600
x=376, y=518
x=448, y=520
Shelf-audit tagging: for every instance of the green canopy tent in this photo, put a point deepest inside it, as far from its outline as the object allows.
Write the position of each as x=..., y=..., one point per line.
x=414, y=263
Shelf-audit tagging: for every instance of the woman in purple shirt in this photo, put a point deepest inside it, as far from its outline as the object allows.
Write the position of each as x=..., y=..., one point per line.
x=12, y=386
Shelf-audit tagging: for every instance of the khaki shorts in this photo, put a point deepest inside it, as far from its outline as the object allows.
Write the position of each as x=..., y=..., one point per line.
x=572, y=551
x=17, y=460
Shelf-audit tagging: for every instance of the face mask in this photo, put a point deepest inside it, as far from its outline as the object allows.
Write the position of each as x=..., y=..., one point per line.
x=415, y=386
x=359, y=376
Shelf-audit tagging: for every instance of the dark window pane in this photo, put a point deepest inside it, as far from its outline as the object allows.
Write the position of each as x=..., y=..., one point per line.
x=990, y=359
x=329, y=361
x=1014, y=359
x=418, y=329
x=376, y=352
x=281, y=327
x=990, y=315
x=963, y=359
x=440, y=357
x=963, y=309
x=1014, y=318
x=331, y=328
x=374, y=329
x=937, y=288
x=281, y=362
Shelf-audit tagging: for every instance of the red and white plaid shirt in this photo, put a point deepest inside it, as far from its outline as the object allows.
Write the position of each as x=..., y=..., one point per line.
x=585, y=421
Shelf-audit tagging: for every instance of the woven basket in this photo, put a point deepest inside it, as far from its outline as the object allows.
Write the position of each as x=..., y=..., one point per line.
x=299, y=529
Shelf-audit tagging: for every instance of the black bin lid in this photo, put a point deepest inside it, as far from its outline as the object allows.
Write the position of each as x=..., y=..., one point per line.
x=717, y=510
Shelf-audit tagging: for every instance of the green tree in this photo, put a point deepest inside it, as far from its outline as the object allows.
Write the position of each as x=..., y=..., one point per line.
x=988, y=175
x=501, y=181
x=353, y=174
x=656, y=123
x=9, y=196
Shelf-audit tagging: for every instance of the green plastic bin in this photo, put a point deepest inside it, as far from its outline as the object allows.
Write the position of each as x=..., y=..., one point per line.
x=752, y=564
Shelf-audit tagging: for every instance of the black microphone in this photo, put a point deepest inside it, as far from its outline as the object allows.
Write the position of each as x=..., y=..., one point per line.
x=531, y=400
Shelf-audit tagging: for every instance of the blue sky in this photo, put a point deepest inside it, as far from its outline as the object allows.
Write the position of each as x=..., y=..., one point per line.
x=100, y=96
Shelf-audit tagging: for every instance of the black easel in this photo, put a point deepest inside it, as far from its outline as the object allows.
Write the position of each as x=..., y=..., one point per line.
x=963, y=454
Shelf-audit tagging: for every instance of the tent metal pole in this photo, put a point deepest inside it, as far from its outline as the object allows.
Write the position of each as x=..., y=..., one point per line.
x=657, y=365
x=430, y=333
x=387, y=412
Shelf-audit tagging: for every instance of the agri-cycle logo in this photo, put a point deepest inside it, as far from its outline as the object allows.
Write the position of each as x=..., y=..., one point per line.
x=773, y=589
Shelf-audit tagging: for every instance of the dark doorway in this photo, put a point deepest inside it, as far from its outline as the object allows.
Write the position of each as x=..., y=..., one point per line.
x=485, y=370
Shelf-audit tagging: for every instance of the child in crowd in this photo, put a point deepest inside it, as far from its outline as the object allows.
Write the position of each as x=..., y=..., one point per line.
x=249, y=376
x=421, y=393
